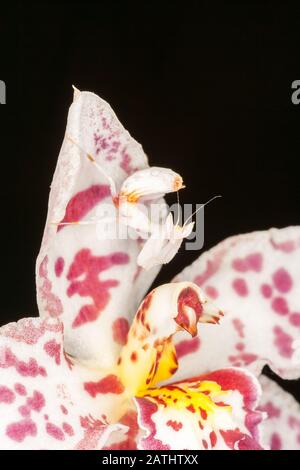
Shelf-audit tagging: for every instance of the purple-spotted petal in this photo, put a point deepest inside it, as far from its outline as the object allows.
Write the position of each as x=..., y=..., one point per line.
x=92, y=282
x=281, y=428
x=214, y=411
x=255, y=279
x=46, y=400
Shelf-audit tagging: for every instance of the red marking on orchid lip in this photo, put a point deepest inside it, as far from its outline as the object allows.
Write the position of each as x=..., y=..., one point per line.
x=275, y=443
x=20, y=430
x=147, y=410
x=240, y=287
x=53, y=348
x=174, y=425
x=188, y=297
x=59, y=266
x=212, y=267
x=109, y=384
x=249, y=443
x=211, y=292
x=252, y=262
x=36, y=402
x=266, y=290
x=68, y=429
x=91, y=286
x=231, y=437
x=283, y=342
x=133, y=356
x=26, y=369
x=54, y=431
x=287, y=246
x=240, y=346
x=20, y=389
x=204, y=443
x=191, y=409
x=187, y=346
x=280, y=306
x=213, y=438
x=7, y=396
x=271, y=410
x=232, y=379
x=52, y=303
x=294, y=319
x=120, y=328
x=84, y=201
x=221, y=403
x=239, y=327
x=282, y=280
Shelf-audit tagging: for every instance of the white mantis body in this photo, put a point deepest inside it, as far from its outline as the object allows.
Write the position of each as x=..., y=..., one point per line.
x=136, y=192
x=165, y=241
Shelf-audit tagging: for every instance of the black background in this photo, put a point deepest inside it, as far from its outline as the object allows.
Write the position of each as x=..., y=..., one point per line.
x=204, y=86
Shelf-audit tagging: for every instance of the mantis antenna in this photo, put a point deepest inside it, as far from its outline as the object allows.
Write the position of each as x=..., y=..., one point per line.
x=199, y=208
x=178, y=204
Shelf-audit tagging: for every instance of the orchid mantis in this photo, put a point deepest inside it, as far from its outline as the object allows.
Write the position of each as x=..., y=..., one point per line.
x=133, y=202
x=136, y=194
x=166, y=240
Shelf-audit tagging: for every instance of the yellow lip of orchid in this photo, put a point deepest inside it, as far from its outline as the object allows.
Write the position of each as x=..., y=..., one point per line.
x=149, y=355
x=196, y=397
x=149, y=358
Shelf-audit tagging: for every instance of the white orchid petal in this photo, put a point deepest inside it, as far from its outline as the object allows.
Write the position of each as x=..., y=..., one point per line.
x=255, y=279
x=47, y=401
x=90, y=280
x=281, y=428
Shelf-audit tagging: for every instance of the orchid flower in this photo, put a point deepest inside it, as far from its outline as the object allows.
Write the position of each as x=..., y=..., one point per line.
x=103, y=368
